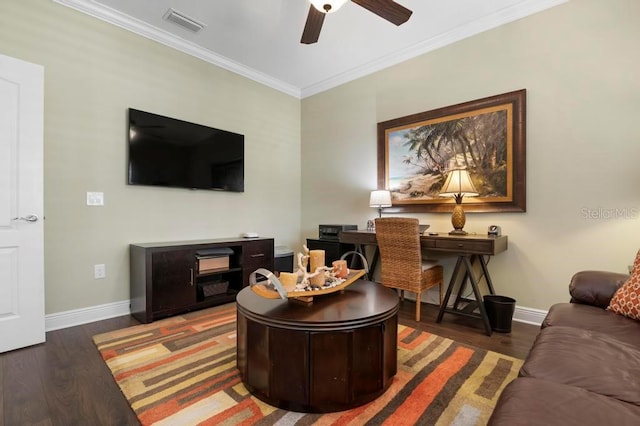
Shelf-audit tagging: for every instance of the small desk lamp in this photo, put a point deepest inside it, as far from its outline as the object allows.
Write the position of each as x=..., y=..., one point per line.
x=457, y=185
x=380, y=199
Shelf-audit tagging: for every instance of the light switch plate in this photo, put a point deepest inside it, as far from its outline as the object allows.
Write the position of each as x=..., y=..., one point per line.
x=95, y=198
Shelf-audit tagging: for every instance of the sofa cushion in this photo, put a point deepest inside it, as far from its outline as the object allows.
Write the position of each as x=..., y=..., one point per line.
x=587, y=359
x=595, y=287
x=626, y=300
x=529, y=401
x=596, y=319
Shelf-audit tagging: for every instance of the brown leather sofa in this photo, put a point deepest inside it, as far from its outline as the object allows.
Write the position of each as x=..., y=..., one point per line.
x=584, y=367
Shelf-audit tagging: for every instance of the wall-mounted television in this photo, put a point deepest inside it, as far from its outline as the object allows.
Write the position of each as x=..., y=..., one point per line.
x=168, y=152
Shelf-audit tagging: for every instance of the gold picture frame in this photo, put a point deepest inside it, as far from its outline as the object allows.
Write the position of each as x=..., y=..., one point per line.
x=486, y=136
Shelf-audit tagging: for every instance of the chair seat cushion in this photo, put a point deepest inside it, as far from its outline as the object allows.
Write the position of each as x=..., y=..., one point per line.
x=428, y=264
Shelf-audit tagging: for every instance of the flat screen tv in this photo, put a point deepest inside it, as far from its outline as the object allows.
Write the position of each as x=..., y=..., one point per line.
x=168, y=152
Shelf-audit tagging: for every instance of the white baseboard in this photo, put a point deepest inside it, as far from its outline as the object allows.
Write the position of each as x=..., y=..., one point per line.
x=529, y=315
x=110, y=310
x=85, y=315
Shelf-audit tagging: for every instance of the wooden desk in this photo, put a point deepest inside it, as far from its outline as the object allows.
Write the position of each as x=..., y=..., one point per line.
x=469, y=249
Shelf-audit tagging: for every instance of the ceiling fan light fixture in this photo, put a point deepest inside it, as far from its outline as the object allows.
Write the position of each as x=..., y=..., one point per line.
x=327, y=6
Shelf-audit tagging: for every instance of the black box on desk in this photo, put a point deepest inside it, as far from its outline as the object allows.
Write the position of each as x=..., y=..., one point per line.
x=332, y=232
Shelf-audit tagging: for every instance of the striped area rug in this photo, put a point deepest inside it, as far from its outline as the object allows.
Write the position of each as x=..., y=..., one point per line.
x=182, y=371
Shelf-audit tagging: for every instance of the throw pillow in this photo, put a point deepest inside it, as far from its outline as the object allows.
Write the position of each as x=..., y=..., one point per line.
x=626, y=300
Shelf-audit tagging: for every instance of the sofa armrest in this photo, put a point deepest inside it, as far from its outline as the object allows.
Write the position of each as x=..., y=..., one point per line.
x=595, y=287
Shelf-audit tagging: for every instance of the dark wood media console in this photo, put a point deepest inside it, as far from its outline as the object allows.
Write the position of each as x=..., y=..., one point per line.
x=166, y=278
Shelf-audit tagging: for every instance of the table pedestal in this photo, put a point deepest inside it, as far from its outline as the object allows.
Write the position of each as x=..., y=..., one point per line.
x=336, y=354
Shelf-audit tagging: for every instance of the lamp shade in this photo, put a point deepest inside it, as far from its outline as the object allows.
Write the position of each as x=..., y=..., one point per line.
x=458, y=183
x=328, y=6
x=380, y=198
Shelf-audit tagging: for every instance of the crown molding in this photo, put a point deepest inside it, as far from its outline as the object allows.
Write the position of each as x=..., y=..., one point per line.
x=143, y=29
x=469, y=29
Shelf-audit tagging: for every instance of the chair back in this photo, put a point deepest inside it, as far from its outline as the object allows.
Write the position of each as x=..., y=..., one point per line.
x=399, y=245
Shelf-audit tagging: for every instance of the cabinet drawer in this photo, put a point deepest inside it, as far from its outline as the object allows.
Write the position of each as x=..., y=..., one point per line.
x=460, y=246
x=258, y=253
x=258, y=249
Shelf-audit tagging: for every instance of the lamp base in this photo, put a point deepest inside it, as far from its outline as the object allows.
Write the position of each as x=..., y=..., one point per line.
x=458, y=220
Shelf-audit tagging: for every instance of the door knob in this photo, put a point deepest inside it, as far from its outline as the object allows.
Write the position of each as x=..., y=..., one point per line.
x=30, y=218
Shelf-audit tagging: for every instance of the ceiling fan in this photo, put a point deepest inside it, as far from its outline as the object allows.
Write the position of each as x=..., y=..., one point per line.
x=387, y=9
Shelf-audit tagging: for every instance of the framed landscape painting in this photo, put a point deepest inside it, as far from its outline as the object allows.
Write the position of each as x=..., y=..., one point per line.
x=487, y=137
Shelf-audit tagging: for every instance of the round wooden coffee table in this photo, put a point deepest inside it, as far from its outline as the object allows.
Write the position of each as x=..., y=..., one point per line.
x=335, y=354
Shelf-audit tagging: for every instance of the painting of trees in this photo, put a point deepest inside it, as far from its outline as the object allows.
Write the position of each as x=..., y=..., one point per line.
x=486, y=136
x=477, y=142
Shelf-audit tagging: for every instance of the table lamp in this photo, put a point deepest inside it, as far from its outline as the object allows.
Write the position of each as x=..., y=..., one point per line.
x=380, y=199
x=457, y=185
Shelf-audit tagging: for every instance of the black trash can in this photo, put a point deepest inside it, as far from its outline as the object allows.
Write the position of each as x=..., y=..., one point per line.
x=283, y=261
x=500, y=311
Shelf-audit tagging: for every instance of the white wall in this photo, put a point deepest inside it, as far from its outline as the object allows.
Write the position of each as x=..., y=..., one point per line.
x=579, y=64
x=94, y=72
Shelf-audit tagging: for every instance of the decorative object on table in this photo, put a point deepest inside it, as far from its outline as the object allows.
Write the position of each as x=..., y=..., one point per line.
x=457, y=185
x=398, y=240
x=371, y=225
x=380, y=199
x=494, y=231
x=316, y=261
x=486, y=135
x=303, y=285
x=340, y=268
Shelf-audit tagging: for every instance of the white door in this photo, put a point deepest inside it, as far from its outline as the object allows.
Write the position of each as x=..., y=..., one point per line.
x=21, y=204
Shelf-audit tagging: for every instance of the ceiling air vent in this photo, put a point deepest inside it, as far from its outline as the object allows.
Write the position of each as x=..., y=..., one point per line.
x=183, y=20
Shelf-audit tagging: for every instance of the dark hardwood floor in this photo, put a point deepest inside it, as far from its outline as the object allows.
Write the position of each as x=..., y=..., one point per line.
x=65, y=382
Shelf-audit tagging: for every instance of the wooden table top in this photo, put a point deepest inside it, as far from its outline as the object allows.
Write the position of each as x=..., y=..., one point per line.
x=442, y=242
x=360, y=304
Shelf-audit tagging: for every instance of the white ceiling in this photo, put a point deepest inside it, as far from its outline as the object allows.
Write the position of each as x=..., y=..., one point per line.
x=260, y=39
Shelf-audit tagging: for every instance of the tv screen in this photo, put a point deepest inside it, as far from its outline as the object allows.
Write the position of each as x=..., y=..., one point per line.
x=168, y=152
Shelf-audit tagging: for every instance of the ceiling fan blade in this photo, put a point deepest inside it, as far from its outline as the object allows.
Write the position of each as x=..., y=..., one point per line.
x=312, y=28
x=387, y=9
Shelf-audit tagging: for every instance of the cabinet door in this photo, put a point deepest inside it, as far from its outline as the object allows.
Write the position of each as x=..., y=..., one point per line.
x=173, y=275
x=256, y=254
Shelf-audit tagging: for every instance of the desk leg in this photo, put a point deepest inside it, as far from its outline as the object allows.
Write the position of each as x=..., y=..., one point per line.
x=478, y=295
x=466, y=262
x=374, y=259
x=452, y=283
x=485, y=271
x=461, y=290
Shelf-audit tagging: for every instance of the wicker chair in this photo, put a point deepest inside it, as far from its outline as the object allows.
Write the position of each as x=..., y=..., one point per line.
x=400, y=254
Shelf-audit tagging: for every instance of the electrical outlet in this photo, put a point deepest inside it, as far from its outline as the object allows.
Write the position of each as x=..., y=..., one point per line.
x=95, y=198
x=99, y=271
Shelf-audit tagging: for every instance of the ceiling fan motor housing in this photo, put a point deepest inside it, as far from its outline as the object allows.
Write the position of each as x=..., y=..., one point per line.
x=328, y=6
